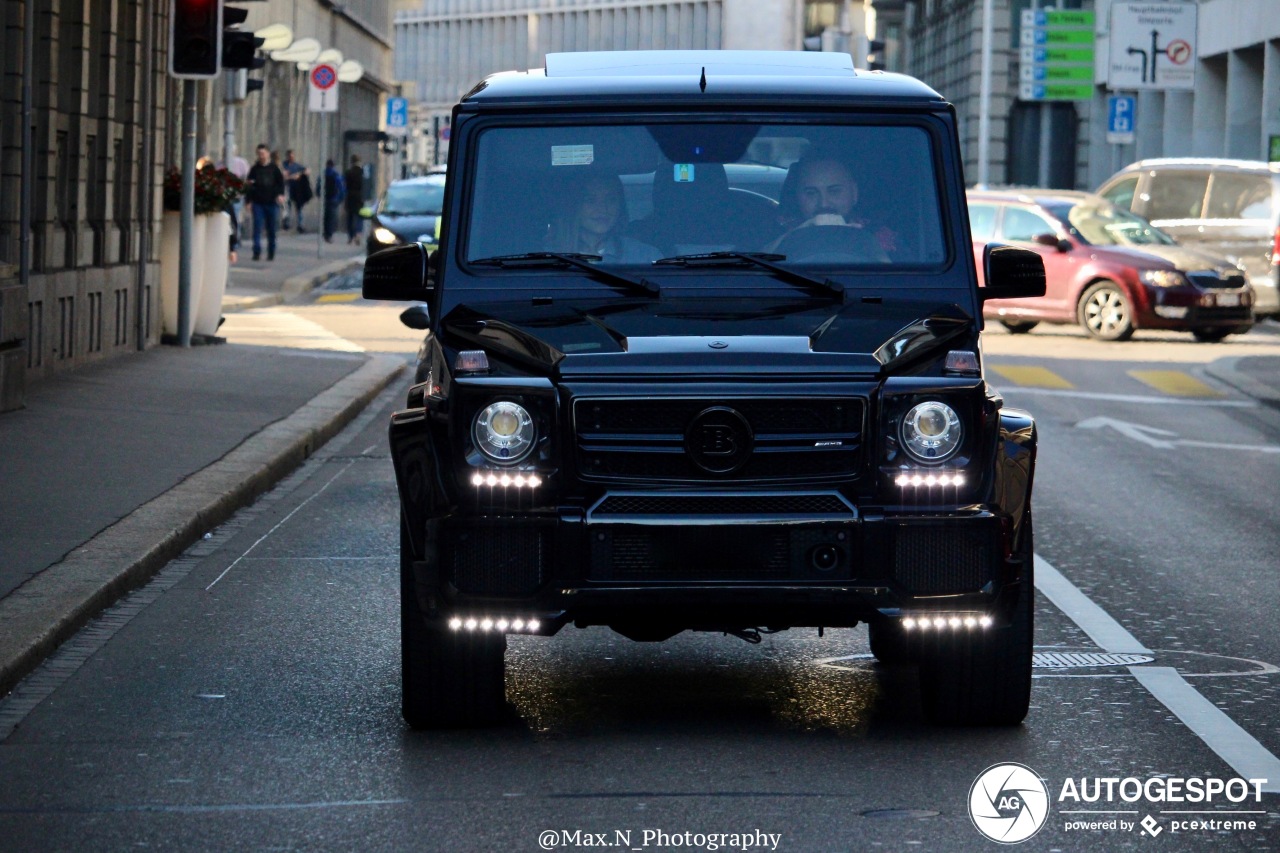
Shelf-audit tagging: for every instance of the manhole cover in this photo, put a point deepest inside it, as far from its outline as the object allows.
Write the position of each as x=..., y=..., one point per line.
x=1077, y=660
x=901, y=814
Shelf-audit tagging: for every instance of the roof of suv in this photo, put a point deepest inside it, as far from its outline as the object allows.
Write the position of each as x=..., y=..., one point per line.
x=700, y=75
x=1202, y=163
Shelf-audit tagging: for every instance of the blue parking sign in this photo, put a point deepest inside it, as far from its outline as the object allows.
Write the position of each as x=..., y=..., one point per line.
x=1121, y=112
x=397, y=112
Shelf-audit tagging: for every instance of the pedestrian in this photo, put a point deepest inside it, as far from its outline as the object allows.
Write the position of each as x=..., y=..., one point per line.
x=282, y=218
x=298, y=179
x=239, y=167
x=334, y=192
x=265, y=194
x=354, y=179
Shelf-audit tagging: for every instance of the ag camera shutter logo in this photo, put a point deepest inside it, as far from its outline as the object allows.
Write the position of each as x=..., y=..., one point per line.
x=1008, y=803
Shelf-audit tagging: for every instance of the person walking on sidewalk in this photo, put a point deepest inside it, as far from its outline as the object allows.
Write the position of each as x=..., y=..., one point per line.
x=265, y=194
x=298, y=179
x=334, y=193
x=354, y=178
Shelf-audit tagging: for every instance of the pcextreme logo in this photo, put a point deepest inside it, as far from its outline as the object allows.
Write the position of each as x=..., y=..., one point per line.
x=1008, y=803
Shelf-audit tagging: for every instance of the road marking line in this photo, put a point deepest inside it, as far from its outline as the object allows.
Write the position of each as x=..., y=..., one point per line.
x=1139, y=398
x=1175, y=383
x=1241, y=750
x=338, y=297
x=1032, y=375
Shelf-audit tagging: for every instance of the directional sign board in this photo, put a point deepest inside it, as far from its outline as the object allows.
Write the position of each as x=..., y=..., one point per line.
x=1056, y=55
x=1121, y=110
x=398, y=116
x=1153, y=46
x=324, y=89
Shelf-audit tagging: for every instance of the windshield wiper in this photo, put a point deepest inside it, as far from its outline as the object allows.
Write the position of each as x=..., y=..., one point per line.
x=764, y=260
x=572, y=259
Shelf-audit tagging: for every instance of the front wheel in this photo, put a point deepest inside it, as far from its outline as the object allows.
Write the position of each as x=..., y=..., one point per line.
x=449, y=678
x=1211, y=335
x=1019, y=327
x=983, y=679
x=1105, y=313
x=888, y=643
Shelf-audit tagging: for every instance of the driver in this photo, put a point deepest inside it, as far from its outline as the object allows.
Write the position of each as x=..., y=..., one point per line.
x=823, y=191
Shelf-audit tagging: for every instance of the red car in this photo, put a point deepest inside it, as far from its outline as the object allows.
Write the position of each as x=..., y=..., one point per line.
x=1107, y=269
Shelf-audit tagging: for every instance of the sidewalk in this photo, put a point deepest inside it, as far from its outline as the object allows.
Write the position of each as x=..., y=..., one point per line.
x=302, y=261
x=112, y=470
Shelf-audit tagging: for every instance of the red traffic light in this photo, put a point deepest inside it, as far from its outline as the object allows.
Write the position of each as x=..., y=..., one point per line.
x=195, y=38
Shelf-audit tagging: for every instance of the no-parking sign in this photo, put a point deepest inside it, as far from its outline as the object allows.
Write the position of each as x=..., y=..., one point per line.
x=324, y=89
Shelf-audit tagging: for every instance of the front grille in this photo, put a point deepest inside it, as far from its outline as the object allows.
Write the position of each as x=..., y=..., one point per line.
x=940, y=559
x=1212, y=280
x=644, y=440
x=735, y=552
x=806, y=505
x=495, y=561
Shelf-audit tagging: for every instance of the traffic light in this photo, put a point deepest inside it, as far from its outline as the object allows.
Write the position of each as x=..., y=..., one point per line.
x=195, y=38
x=239, y=47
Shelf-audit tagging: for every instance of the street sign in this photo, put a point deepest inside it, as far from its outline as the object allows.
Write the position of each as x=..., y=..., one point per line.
x=1121, y=110
x=1056, y=54
x=1153, y=46
x=324, y=89
x=398, y=116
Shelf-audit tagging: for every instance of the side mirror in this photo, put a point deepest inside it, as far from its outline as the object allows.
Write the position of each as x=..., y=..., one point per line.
x=401, y=273
x=1011, y=273
x=416, y=317
x=1060, y=243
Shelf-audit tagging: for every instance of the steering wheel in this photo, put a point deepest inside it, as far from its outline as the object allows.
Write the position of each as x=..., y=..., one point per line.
x=832, y=244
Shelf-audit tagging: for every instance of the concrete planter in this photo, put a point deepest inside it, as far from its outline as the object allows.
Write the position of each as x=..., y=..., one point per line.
x=170, y=232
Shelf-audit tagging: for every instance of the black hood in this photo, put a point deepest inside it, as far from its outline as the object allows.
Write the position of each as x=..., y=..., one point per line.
x=690, y=337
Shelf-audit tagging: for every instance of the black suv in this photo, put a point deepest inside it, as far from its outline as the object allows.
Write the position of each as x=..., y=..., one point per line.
x=702, y=354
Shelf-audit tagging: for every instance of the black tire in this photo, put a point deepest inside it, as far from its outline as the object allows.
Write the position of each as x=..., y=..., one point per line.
x=983, y=679
x=1105, y=313
x=1019, y=327
x=1212, y=335
x=888, y=643
x=449, y=679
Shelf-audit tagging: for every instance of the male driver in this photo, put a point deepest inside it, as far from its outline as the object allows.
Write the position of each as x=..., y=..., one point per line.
x=824, y=193
x=266, y=194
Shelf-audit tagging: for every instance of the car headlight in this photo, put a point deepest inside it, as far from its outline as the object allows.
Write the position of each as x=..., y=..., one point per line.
x=931, y=432
x=384, y=235
x=1163, y=278
x=504, y=432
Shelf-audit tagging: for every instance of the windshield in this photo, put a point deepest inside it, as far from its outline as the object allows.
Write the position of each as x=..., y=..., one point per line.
x=835, y=195
x=1103, y=224
x=416, y=199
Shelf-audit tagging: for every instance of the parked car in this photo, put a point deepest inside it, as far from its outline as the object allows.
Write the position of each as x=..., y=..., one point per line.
x=407, y=213
x=1107, y=269
x=1224, y=207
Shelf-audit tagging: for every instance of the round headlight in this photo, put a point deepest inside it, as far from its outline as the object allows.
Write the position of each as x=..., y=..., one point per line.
x=385, y=235
x=504, y=432
x=931, y=432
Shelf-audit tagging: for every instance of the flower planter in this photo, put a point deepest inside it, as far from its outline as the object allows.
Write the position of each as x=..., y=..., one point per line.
x=170, y=231
x=206, y=312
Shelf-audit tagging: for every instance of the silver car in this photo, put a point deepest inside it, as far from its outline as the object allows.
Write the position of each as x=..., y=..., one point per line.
x=1225, y=207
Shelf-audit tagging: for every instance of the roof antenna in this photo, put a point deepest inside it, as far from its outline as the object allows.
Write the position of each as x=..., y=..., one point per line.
x=702, y=84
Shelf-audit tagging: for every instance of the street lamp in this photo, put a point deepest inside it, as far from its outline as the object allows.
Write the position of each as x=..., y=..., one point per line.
x=274, y=37
x=350, y=71
x=302, y=50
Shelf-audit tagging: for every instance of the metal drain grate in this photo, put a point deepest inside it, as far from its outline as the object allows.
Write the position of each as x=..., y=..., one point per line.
x=1066, y=660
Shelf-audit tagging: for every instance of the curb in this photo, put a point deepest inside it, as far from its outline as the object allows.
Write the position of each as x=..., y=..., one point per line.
x=293, y=286
x=46, y=610
x=1226, y=370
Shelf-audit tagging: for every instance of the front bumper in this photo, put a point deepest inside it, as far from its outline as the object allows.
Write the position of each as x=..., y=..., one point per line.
x=833, y=568
x=1195, y=308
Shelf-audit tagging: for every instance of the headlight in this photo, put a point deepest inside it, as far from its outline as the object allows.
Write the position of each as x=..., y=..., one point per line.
x=383, y=235
x=504, y=432
x=931, y=432
x=1163, y=278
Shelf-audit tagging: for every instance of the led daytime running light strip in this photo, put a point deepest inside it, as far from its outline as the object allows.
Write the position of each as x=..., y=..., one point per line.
x=943, y=478
x=488, y=623
x=480, y=478
x=945, y=621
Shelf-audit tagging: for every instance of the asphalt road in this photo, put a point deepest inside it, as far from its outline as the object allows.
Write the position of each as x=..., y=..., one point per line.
x=249, y=697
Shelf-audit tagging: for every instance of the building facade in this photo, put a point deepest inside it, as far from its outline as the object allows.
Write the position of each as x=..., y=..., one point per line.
x=444, y=47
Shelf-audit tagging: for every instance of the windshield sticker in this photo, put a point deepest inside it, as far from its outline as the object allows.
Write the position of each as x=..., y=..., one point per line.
x=573, y=155
x=684, y=173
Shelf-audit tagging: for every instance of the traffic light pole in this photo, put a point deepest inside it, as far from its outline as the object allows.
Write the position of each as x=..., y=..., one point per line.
x=188, y=207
